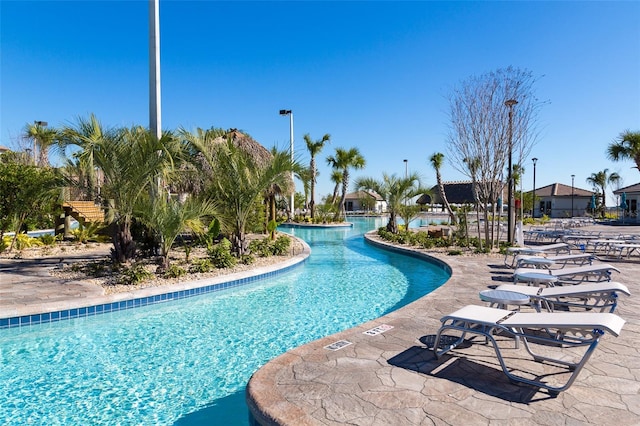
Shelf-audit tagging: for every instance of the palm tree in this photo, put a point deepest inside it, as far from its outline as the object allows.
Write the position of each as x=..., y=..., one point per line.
x=601, y=180
x=169, y=217
x=87, y=135
x=43, y=138
x=304, y=174
x=436, y=162
x=314, y=148
x=343, y=160
x=626, y=147
x=239, y=181
x=394, y=190
x=336, y=178
x=131, y=160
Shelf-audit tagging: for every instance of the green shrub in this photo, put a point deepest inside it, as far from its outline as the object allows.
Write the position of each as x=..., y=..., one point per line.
x=201, y=266
x=88, y=232
x=260, y=248
x=247, y=259
x=220, y=255
x=49, y=239
x=174, y=271
x=4, y=244
x=281, y=245
x=135, y=274
x=24, y=241
x=454, y=252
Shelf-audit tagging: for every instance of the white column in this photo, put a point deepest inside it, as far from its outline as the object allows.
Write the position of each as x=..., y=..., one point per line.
x=155, y=110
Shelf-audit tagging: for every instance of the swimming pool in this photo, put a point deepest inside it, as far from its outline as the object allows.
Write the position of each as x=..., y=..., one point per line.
x=188, y=361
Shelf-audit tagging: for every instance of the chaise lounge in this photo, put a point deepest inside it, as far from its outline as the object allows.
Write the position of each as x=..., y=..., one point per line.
x=546, y=330
x=578, y=274
x=598, y=296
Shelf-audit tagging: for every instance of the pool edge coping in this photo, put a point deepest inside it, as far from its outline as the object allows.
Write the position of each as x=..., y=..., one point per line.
x=46, y=312
x=266, y=376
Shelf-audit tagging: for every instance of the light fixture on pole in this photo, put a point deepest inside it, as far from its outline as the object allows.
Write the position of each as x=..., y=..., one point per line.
x=533, y=208
x=572, y=180
x=406, y=168
x=290, y=114
x=510, y=219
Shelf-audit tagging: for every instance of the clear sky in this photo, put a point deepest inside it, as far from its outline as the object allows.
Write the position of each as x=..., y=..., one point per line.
x=375, y=75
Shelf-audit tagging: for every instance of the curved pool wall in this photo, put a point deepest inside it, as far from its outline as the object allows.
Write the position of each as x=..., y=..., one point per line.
x=86, y=307
x=188, y=361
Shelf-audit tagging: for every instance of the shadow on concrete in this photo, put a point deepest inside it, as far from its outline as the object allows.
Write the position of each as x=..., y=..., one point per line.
x=459, y=369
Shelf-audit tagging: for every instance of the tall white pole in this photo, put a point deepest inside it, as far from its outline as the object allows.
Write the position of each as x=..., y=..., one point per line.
x=293, y=209
x=155, y=110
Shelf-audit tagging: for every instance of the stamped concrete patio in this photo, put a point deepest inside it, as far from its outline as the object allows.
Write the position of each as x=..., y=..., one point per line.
x=391, y=378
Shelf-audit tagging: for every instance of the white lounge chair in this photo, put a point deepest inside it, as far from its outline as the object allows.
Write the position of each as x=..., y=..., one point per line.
x=597, y=272
x=554, y=330
x=577, y=259
x=534, y=250
x=600, y=296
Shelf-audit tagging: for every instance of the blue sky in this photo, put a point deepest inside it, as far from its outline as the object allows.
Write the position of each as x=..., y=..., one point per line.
x=375, y=75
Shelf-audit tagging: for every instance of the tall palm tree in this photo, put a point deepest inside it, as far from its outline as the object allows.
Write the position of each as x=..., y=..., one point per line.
x=394, y=190
x=626, y=147
x=602, y=180
x=436, y=161
x=336, y=179
x=314, y=148
x=304, y=174
x=344, y=160
x=43, y=138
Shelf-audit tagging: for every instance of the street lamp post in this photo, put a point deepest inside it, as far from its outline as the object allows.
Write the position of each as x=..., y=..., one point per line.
x=572, y=180
x=510, y=103
x=533, y=209
x=290, y=114
x=406, y=168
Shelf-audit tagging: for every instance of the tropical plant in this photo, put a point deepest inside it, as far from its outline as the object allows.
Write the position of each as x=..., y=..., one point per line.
x=345, y=159
x=86, y=231
x=601, y=180
x=133, y=163
x=314, y=148
x=238, y=184
x=395, y=191
x=302, y=199
x=626, y=147
x=221, y=256
x=43, y=138
x=336, y=179
x=169, y=218
x=25, y=190
x=436, y=161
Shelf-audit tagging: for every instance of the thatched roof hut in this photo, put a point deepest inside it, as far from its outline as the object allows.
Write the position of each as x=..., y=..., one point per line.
x=261, y=155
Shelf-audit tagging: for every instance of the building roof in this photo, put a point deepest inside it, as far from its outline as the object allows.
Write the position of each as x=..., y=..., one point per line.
x=631, y=188
x=460, y=192
x=4, y=148
x=561, y=190
x=358, y=195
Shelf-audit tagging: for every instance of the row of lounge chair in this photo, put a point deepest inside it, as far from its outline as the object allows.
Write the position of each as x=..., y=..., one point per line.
x=570, y=312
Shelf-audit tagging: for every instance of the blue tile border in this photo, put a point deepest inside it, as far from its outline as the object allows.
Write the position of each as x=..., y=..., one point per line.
x=49, y=317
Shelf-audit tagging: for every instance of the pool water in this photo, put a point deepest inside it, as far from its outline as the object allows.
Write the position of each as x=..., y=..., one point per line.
x=188, y=361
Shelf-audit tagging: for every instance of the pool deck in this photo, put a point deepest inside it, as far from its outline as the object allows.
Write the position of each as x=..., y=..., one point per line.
x=390, y=378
